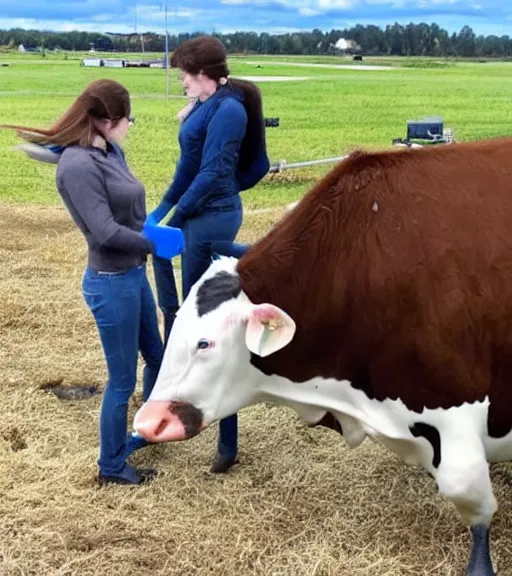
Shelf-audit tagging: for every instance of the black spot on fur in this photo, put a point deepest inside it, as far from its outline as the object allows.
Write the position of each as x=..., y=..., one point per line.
x=214, y=291
x=431, y=434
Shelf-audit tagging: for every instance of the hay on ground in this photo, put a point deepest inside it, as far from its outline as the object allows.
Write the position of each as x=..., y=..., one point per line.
x=299, y=504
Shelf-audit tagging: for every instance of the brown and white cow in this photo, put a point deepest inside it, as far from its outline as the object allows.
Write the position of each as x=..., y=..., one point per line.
x=381, y=303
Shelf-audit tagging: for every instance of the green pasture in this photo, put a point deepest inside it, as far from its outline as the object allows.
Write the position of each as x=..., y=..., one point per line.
x=330, y=114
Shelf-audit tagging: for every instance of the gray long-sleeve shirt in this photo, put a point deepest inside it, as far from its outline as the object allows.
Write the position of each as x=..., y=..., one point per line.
x=108, y=205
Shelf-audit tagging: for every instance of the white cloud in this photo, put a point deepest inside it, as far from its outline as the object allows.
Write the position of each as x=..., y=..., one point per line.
x=410, y=3
x=61, y=26
x=155, y=12
x=337, y=4
x=102, y=18
x=302, y=6
x=306, y=11
x=247, y=2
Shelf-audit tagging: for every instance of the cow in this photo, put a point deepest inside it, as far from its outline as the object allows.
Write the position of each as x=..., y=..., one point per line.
x=380, y=306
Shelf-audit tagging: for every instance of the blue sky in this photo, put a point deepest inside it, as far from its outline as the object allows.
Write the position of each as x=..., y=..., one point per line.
x=484, y=16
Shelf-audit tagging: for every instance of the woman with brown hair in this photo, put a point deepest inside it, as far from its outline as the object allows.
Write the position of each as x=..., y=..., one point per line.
x=107, y=203
x=223, y=151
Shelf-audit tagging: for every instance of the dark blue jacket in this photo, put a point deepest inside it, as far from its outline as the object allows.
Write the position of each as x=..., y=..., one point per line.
x=207, y=173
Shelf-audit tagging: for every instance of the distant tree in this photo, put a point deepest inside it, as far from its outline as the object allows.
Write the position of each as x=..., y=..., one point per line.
x=412, y=40
x=466, y=42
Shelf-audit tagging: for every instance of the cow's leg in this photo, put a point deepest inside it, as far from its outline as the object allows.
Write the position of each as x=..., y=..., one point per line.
x=480, y=561
x=463, y=477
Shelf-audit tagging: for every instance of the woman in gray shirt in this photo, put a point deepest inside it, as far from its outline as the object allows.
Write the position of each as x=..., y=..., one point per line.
x=107, y=203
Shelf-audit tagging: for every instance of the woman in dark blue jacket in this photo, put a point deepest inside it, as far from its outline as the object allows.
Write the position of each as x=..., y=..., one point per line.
x=222, y=144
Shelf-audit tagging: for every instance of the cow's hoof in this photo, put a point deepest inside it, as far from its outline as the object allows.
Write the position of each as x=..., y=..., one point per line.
x=480, y=563
x=222, y=464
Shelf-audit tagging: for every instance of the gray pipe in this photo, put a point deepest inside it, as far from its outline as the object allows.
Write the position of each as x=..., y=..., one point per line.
x=283, y=165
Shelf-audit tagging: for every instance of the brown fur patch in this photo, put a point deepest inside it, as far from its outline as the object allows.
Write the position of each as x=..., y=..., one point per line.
x=396, y=267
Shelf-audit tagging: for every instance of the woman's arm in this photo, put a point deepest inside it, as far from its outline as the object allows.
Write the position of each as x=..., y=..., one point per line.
x=181, y=181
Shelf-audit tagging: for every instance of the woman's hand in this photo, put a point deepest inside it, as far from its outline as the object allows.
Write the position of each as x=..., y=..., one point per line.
x=168, y=242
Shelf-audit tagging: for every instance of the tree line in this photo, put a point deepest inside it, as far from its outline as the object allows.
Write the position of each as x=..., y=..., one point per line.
x=393, y=40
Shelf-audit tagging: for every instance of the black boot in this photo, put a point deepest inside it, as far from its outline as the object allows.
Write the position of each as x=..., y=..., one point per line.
x=221, y=464
x=129, y=475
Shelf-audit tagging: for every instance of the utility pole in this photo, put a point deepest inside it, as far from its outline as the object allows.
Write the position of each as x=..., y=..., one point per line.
x=141, y=37
x=135, y=21
x=166, y=55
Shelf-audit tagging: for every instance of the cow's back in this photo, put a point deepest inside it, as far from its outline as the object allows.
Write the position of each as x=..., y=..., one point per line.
x=397, y=268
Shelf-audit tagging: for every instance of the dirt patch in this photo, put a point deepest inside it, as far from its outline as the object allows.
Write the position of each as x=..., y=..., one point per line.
x=69, y=391
x=14, y=438
x=299, y=503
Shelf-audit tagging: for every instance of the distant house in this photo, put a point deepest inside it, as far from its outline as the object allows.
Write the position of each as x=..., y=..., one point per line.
x=96, y=62
x=120, y=63
x=344, y=45
x=113, y=63
x=22, y=48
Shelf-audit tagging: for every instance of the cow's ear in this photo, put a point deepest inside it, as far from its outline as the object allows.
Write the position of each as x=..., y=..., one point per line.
x=268, y=329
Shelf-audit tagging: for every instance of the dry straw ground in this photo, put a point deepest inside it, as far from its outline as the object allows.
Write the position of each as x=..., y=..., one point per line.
x=300, y=503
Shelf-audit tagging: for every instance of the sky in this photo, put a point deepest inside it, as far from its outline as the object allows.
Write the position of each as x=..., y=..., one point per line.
x=273, y=16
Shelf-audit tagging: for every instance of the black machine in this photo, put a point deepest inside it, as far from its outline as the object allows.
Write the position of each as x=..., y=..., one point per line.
x=271, y=122
x=425, y=132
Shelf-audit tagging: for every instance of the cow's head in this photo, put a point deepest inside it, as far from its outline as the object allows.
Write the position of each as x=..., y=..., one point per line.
x=206, y=372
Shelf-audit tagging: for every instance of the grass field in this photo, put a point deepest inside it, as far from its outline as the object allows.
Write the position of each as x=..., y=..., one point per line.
x=300, y=503
x=329, y=115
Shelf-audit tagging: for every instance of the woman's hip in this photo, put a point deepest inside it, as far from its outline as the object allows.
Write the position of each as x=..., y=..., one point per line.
x=213, y=224
x=106, y=288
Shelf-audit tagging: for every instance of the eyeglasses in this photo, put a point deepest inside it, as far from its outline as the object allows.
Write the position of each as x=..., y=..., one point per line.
x=131, y=119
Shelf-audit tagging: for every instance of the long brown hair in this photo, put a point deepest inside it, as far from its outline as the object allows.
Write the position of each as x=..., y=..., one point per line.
x=102, y=99
x=207, y=54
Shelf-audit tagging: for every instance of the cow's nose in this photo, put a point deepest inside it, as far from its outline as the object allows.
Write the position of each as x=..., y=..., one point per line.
x=161, y=421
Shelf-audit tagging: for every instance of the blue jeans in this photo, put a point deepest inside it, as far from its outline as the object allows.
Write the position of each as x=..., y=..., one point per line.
x=125, y=313
x=220, y=223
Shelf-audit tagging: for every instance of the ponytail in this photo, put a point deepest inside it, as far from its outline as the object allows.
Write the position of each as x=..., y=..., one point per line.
x=254, y=142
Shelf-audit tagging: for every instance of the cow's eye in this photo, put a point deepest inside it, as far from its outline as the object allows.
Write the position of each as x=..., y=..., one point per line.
x=203, y=344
